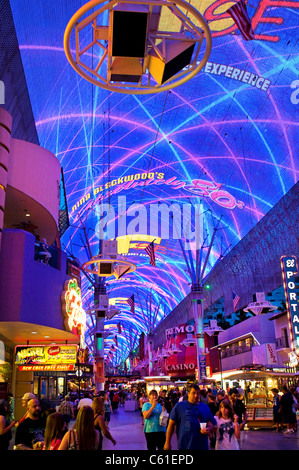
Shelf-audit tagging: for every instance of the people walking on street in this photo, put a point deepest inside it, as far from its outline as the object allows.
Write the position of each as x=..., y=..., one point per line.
x=85, y=401
x=228, y=428
x=83, y=436
x=5, y=426
x=11, y=407
x=108, y=409
x=240, y=410
x=143, y=399
x=277, y=418
x=54, y=432
x=286, y=409
x=294, y=408
x=194, y=423
x=164, y=399
x=66, y=408
x=25, y=399
x=31, y=429
x=154, y=432
x=115, y=401
x=203, y=396
x=214, y=407
x=99, y=420
x=220, y=397
x=212, y=403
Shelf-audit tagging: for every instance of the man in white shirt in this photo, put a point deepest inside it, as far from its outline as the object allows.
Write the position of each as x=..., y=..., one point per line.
x=85, y=401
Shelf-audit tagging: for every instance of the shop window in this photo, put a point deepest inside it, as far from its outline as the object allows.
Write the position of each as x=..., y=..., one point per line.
x=52, y=388
x=286, y=337
x=44, y=387
x=36, y=386
x=60, y=387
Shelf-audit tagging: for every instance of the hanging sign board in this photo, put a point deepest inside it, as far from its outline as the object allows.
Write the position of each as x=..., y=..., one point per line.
x=41, y=357
x=289, y=270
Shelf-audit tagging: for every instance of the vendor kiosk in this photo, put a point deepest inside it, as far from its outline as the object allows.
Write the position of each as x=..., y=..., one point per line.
x=256, y=386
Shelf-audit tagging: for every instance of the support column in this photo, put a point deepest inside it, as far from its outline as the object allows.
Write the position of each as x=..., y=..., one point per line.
x=197, y=309
x=150, y=353
x=99, y=339
x=23, y=384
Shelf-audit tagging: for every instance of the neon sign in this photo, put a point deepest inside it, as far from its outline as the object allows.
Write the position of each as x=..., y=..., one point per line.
x=75, y=316
x=198, y=186
x=289, y=269
x=49, y=356
x=221, y=25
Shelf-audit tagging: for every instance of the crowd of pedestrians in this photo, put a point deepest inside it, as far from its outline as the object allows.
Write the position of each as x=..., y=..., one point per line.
x=45, y=428
x=203, y=419
x=285, y=407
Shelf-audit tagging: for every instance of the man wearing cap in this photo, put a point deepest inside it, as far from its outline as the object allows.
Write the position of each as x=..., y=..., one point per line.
x=25, y=400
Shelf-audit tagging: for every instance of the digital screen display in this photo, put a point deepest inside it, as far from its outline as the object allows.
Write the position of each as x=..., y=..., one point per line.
x=225, y=141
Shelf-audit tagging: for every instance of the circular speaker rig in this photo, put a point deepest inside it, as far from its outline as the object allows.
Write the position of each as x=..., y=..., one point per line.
x=133, y=52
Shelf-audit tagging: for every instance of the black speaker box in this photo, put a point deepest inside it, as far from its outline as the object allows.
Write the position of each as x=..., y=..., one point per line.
x=129, y=33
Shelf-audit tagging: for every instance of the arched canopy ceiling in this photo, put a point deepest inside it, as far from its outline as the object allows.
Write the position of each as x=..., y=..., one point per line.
x=217, y=141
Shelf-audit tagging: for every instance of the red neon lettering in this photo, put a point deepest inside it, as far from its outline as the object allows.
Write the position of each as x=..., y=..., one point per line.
x=224, y=199
x=211, y=15
x=259, y=18
x=202, y=188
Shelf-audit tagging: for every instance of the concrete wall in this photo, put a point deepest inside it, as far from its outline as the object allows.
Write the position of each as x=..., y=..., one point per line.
x=35, y=172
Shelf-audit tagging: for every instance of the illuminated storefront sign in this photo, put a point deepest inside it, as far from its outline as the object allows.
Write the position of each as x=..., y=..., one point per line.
x=56, y=368
x=178, y=330
x=289, y=270
x=183, y=363
x=176, y=367
x=41, y=357
x=75, y=316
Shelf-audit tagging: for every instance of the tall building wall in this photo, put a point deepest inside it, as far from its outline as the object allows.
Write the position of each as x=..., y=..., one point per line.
x=253, y=265
x=16, y=96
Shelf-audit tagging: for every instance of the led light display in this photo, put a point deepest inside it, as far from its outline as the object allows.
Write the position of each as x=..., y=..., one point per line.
x=75, y=316
x=226, y=140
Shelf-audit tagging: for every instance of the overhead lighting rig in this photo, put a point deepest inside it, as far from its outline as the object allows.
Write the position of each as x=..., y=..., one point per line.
x=189, y=341
x=260, y=305
x=108, y=262
x=134, y=49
